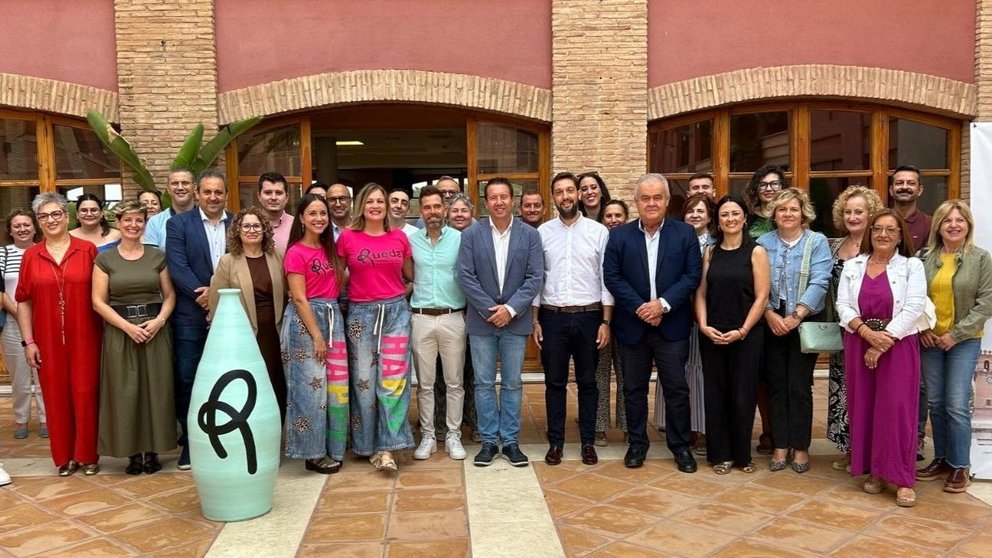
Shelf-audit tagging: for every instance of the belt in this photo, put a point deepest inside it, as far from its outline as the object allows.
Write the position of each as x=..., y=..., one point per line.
x=594, y=307
x=135, y=311
x=436, y=311
x=876, y=324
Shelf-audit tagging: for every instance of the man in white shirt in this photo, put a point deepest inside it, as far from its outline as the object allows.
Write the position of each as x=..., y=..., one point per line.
x=399, y=205
x=572, y=315
x=181, y=190
x=273, y=195
x=531, y=207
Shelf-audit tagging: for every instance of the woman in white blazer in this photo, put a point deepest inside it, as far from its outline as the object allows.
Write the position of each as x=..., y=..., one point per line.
x=881, y=297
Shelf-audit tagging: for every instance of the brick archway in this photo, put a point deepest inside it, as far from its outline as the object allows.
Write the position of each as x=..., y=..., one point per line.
x=322, y=90
x=60, y=97
x=926, y=92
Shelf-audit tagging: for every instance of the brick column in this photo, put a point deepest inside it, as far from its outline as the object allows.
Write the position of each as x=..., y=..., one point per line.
x=599, y=90
x=167, y=76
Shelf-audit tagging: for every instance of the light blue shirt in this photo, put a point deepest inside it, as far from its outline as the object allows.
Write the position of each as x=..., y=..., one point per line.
x=155, y=229
x=216, y=236
x=434, y=270
x=786, y=265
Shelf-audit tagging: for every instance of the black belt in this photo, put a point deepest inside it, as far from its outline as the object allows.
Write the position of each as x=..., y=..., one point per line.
x=594, y=307
x=136, y=311
x=436, y=311
x=876, y=324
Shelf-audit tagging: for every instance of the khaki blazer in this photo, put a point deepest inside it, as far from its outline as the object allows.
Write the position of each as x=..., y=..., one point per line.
x=233, y=273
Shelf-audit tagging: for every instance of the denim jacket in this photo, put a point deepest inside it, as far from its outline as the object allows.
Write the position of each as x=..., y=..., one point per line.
x=819, y=271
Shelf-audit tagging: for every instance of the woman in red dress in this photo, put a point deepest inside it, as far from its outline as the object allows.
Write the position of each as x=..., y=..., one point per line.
x=62, y=334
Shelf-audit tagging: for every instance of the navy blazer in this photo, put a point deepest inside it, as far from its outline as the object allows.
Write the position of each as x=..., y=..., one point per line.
x=188, y=256
x=625, y=272
x=477, y=276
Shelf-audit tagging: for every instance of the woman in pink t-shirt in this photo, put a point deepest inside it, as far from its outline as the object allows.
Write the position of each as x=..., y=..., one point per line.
x=378, y=259
x=313, y=345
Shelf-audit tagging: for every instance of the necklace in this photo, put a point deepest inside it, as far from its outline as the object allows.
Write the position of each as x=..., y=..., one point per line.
x=877, y=261
x=60, y=282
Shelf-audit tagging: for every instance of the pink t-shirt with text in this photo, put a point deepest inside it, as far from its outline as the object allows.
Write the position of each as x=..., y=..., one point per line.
x=375, y=264
x=313, y=265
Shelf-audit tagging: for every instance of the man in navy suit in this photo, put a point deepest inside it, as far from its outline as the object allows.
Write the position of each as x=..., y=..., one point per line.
x=652, y=267
x=195, y=241
x=500, y=270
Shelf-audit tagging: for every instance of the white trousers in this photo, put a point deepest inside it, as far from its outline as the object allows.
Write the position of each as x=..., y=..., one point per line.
x=431, y=335
x=23, y=378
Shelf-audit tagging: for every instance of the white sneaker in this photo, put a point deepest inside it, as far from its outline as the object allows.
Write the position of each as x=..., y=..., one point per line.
x=453, y=445
x=428, y=445
x=4, y=477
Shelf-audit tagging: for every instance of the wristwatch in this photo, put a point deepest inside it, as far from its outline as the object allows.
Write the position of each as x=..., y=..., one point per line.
x=606, y=322
x=26, y=342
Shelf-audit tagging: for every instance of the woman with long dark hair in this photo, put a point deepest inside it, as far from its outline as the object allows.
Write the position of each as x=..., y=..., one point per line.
x=92, y=223
x=593, y=195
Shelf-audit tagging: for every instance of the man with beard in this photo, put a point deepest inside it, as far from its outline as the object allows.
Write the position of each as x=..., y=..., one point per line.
x=906, y=187
x=273, y=195
x=531, y=207
x=181, y=192
x=571, y=315
x=438, y=324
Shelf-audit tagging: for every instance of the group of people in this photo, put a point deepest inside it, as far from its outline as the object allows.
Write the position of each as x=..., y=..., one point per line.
x=345, y=308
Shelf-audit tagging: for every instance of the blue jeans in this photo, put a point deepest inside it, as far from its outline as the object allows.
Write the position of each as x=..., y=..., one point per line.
x=188, y=342
x=498, y=420
x=948, y=376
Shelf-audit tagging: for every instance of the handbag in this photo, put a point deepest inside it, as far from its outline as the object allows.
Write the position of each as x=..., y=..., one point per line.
x=816, y=337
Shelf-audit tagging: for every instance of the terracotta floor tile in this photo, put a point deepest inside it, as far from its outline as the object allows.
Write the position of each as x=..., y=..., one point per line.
x=431, y=499
x=871, y=547
x=352, y=550
x=744, y=548
x=561, y=504
x=86, y=502
x=788, y=533
x=694, y=486
x=608, y=520
x=450, y=547
x=653, y=502
x=921, y=532
x=46, y=538
x=95, y=548
x=964, y=515
x=850, y=493
x=627, y=550
x=577, y=542
x=22, y=515
x=353, y=502
x=355, y=527
x=429, y=478
x=364, y=480
x=45, y=488
x=795, y=484
x=652, y=471
x=978, y=545
x=180, y=501
x=147, y=486
x=427, y=525
x=727, y=519
x=833, y=515
x=161, y=535
x=198, y=548
x=123, y=517
x=10, y=498
x=593, y=487
x=680, y=538
x=757, y=498
x=549, y=475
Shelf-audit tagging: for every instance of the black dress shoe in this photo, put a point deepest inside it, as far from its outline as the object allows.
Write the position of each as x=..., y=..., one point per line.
x=685, y=461
x=515, y=456
x=486, y=455
x=635, y=457
x=589, y=456
x=553, y=457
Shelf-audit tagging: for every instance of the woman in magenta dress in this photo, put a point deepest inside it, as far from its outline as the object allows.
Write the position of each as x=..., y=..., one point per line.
x=881, y=297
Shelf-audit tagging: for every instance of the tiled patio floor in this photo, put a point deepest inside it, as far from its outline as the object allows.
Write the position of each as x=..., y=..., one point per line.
x=442, y=507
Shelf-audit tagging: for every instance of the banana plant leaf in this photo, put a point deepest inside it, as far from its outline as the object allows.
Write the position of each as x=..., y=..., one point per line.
x=191, y=147
x=120, y=147
x=212, y=149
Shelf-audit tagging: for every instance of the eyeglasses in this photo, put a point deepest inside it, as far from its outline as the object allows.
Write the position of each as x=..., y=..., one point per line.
x=54, y=216
x=250, y=227
x=889, y=231
x=770, y=185
x=88, y=210
x=448, y=193
x=340, y=200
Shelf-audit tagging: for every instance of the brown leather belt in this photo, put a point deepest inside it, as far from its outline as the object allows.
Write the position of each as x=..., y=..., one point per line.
x=137, y=311
x=595, y=307
x=876, y=324
x=436, y=311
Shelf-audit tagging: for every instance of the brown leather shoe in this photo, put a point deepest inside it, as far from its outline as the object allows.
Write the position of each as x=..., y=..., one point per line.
x=589, y=456
x=938, y=468
x=958, y=480
x=553, y=457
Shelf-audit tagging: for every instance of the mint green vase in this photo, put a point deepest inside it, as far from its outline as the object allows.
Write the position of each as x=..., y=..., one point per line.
x=234, y=425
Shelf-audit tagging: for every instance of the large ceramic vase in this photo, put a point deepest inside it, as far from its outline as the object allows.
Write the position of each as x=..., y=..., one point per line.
x=234, y=425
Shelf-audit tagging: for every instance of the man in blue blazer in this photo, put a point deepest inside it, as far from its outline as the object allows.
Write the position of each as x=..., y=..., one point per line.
x=500, y=270
x=195, y=241
x=652, y=267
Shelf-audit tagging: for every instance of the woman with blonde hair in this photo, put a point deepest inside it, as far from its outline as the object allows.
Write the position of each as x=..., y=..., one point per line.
x=851, y=211
x=959, y=282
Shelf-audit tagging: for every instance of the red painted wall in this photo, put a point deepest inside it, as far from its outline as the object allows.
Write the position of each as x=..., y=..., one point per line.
x=58, y=39
x=705, y=37
x=259, y=41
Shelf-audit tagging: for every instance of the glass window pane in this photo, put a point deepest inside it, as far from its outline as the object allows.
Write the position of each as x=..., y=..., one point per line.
x=518, y=186
x=80, y=154
x=11, y=198
x=248, y=195
x=934, y=193
x=761, y=138
x=110, y=193
x=506, y=149
x=840, y=140
x=737, y=187
x=686, y=148
x=915, y=143
x=275, y=149
x=822, y=192
x=18, y=150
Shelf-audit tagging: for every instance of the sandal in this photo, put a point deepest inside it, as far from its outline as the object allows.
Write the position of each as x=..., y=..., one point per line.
x=151, y=464
x=723, y=468
x=749, y=468
x=905, y=497
x=874, y=486
x=386, y=462
x=324, y=465
x=843, y=464
x=134, y=465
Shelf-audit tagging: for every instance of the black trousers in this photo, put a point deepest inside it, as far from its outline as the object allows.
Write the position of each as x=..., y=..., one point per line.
x=570, y=337
x=670, y=357
x=790, y=380
x=730, y=390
